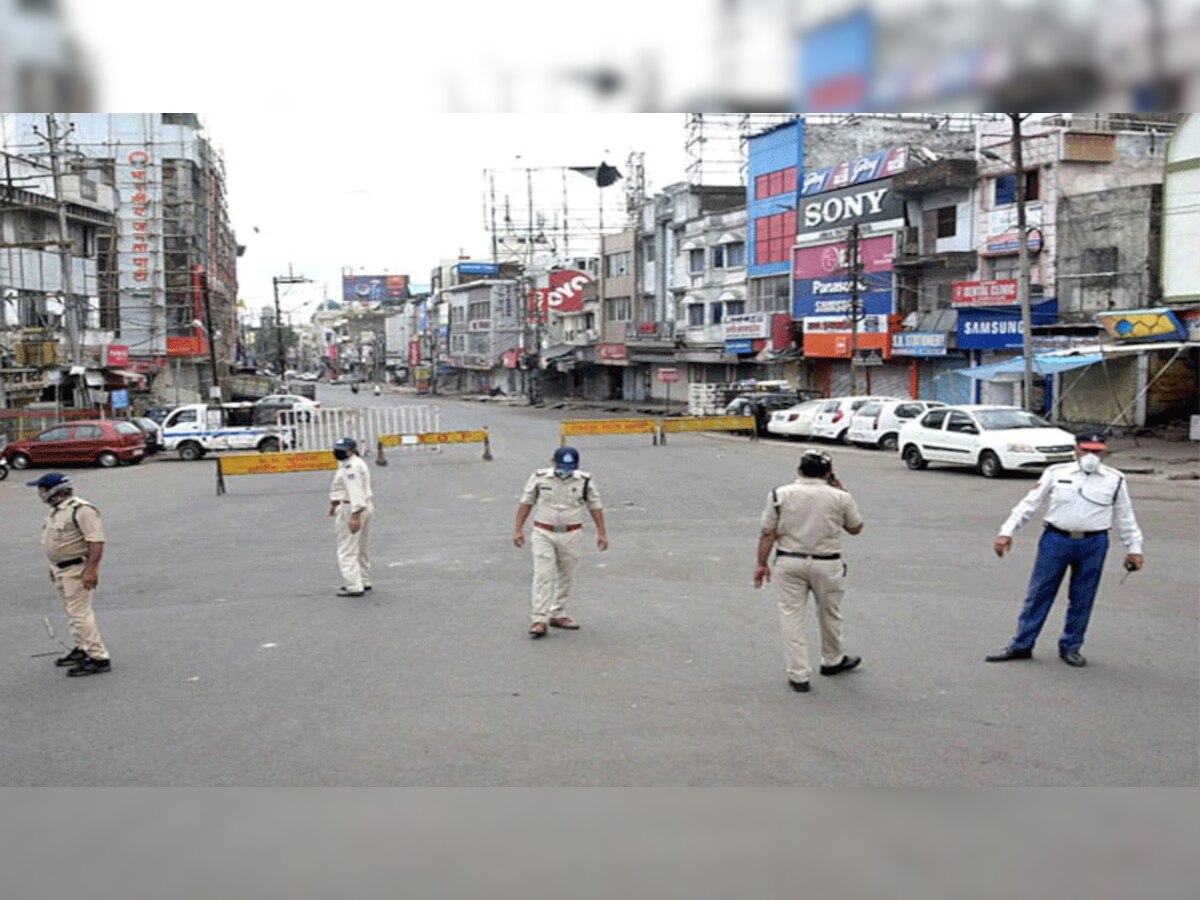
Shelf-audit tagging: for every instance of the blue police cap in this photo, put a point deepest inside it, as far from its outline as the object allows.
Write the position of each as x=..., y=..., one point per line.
x=345, y=444
x=566, y=459
x=49, y=480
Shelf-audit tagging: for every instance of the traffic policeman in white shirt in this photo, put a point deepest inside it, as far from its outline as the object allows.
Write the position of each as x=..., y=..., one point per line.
x=351, y=507
x=557, y=497
x=1084, y=498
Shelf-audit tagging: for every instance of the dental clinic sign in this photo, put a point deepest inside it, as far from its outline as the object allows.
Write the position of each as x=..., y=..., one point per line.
x=867, y=204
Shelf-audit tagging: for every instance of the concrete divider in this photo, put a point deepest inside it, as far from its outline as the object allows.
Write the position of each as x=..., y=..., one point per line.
x=573, y=427
x=272, y=464
x=433, y=438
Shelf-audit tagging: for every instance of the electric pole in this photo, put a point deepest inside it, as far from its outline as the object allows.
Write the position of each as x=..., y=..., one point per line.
x=280, y=352
x=201, y=277
x=70, y=304
x=1023, y=262
x=855, y=308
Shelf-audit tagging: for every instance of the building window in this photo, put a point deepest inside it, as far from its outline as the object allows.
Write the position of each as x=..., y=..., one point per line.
x=1006, y=188
x=773, y=237
x=718, y=257
x=616, y=265
x=1004, y=267
x=648, y=250
x=617, y=309
x=735, y=307
x=647, y=310
x=695, y=315
x=775, y=183
x=479, y=310
x=735, y=255
x=771, y=294
x=716, y=314
x=947, y=221
x=696, y=261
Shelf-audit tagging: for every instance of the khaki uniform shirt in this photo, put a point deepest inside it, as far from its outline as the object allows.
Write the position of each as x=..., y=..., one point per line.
x=560, y=501
x=69, y=528
x=352, y=483
x=808, y=516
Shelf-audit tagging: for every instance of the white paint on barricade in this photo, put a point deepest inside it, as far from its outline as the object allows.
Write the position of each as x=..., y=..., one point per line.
x=318, y=429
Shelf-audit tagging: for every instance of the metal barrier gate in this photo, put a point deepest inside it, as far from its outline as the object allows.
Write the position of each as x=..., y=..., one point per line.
x=317, y=429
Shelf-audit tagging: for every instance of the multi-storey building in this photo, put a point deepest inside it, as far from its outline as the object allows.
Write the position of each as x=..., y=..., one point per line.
x=173, y=242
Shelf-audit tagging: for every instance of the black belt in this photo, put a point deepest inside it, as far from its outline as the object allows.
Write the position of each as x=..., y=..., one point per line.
x=67, y=563
x=1073, y=534
x=808, y=555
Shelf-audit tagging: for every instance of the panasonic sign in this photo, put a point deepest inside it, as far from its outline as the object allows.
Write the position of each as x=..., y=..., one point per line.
x=863, y=204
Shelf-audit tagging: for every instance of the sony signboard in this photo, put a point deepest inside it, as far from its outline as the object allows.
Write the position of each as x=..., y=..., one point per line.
x=865, y=204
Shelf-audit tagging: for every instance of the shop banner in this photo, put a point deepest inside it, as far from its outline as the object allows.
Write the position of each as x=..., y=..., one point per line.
x=1137, y=325
x=919, y=343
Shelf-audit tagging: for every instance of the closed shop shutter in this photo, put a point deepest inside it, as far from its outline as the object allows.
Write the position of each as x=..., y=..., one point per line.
x=839, y=378
x=939, y=381
x=889, y=380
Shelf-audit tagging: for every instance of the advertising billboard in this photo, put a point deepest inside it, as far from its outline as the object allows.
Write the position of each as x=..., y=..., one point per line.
x=478, y=268
x=1143, y=325
x=919, y=343
x=822, y=278
x=858, y=204
x=881, y=164
x=374, y=288
x=993, y=330
x=564, y=295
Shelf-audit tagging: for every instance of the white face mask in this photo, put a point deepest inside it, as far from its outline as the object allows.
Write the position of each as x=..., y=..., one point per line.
x=1090, y=463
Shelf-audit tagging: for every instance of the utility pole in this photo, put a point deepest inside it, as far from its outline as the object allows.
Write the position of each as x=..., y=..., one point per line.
x=531, y=311
x=70, y=304
x=201, y=278
x=289, y=278
x=853, y=267
x=1023, y=261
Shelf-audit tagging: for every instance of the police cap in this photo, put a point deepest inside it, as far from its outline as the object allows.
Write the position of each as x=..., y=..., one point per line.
x=566, y=459
x=1091, y=440
x=50, y=480
x=346, y=443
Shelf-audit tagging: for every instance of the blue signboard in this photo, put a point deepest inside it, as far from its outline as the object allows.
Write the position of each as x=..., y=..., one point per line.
x=120, y=399
x=478, y=268
x=1000, y=328
x=740, y=346
x=831, y=296
x=919, y=343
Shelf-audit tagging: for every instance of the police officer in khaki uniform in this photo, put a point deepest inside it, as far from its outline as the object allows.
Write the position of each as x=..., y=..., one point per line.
x=804, y=521
x=557, y=498
x=351, y=506
x=73, y=538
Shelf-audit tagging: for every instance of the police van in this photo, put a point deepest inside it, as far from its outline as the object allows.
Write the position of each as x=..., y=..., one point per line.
x=199, y=428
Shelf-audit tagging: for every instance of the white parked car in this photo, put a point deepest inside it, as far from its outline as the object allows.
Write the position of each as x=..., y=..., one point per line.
x=878, y=422
x=991, y=438
x=795, y=421
x=833, y=418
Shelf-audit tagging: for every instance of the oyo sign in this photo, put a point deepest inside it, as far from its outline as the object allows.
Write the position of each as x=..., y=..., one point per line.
x=835, y=209
x=566, y=290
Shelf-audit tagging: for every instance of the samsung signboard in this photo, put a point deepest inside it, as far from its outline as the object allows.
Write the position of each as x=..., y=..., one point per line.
x=1000, y=329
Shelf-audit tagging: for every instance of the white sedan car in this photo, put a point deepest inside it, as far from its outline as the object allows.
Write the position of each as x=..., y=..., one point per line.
x=795, y=421
x=992, y=439
x=833, y=418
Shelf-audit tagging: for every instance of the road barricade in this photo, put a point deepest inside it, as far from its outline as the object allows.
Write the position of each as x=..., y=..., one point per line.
x=272, y=464
x=434, y=439
x=316, y=429
x=708, y=423
x=573, y=427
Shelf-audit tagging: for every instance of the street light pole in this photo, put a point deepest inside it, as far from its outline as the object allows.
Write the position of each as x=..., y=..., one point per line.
x=1023, y=262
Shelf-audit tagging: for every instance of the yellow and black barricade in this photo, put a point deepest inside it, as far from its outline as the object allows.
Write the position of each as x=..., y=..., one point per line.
x=708, y=423
x=573, y=427
x=273, y=464
x=477, y=436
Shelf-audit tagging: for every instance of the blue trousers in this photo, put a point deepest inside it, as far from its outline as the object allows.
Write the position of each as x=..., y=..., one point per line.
x=1057, y=553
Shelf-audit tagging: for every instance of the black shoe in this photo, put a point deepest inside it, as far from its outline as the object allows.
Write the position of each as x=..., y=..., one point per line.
x=1010, y=653
x=75, y=656
x=90, y=666
x=346, y=592
x=1073, y=658
x=800, y=687
x=847, y=663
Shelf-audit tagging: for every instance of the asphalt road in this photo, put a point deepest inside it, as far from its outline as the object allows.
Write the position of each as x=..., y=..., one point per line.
x=234, y=664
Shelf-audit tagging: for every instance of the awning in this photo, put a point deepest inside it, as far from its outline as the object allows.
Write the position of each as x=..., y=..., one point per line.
x=1014, y=369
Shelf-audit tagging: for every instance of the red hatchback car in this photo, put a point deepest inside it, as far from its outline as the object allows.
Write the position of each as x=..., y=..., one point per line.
x=105, y=442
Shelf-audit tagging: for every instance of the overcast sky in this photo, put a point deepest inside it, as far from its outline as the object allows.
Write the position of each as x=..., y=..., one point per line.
x=397, y=192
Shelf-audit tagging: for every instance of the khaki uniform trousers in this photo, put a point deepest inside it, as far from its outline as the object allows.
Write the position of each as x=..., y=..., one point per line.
x=825, y=579
x=77, y=601
x=555, y=555
x=353, y=550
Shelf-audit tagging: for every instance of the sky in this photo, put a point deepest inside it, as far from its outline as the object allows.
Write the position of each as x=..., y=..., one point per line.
x=397, y=193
